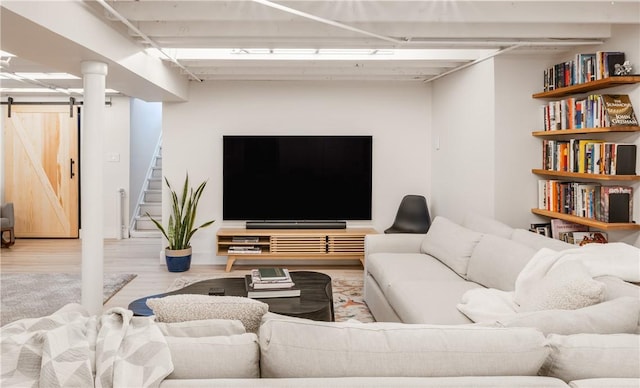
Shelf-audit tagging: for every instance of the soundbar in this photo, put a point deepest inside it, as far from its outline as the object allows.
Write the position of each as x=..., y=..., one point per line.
x=296, y=225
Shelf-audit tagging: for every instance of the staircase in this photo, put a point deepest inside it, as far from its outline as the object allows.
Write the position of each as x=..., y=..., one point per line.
x=151, y=202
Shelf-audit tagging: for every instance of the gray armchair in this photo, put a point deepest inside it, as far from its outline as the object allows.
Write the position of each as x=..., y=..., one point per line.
x=7, y=222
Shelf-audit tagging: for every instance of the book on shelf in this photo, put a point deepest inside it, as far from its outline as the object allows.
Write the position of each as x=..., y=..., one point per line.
x=560, y=227
x=244, y=249
x=618, y=110
x=245, y=239
x=541, y=228
x=582, y=68
x=623, y=160
x=606, y=62
x=258, y=293
x=616, y=203
x=589, y=156
x=583, y=238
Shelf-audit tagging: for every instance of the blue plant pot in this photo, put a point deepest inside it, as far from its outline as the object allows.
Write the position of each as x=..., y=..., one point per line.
x=178, y=260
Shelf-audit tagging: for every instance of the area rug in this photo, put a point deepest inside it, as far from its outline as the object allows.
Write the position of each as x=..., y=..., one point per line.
x=347, y=297
x=31, y=295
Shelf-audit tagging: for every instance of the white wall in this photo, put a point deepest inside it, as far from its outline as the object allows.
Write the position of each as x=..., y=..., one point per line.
x=146, y=128
x=116, y=164
x=517, y=77
x=396, y=114
x=463, y=125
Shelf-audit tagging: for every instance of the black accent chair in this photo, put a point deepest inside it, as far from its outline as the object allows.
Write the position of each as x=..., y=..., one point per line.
x=412, y=217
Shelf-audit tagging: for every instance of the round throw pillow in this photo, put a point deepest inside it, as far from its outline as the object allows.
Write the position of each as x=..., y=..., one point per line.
x=190, y=307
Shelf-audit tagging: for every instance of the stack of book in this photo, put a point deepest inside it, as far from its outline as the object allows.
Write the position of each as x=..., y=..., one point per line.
x=603, y=203
x=244, y=249
x=270, y=283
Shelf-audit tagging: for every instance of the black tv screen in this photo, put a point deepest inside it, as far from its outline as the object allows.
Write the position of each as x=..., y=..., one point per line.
x=297, y=178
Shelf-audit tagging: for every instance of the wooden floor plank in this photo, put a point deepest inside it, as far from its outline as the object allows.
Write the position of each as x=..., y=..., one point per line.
x=140, y=256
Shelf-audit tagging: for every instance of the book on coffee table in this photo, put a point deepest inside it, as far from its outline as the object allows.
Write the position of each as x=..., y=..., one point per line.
x=257, y=293
x=258, y=282
x=273, y=273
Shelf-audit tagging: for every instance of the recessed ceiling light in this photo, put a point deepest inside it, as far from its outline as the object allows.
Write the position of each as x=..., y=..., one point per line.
x=327, y=54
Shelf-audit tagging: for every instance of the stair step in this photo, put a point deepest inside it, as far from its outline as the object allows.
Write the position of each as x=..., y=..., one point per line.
x=158, y=161
x=155, y=184
x=144, y=223
x=153, y=208
x=145, y=233
x=153, y=196
x=156, y=172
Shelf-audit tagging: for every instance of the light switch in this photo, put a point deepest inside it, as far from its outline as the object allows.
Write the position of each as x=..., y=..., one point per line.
x=113, y=157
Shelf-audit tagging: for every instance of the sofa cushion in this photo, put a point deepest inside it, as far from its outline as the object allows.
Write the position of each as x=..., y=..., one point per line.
x=497, y=261
x=538, y=241
x=202, y=328
x=389, y=268
x=605, y=383
x=431, y=302
x=567, y=286
x=233, y=356
x=615, y=316
x=450, y=243
x=487, y=225
x=189, y=307
x=586, y=356
x=328, y=349
x=379, y=382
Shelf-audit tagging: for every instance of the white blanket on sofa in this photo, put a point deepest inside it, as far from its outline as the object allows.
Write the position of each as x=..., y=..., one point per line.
x=72, y=349
x=614, y=259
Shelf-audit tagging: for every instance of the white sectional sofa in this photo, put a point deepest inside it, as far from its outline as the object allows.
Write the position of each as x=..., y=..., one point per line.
x=416, y=278
x=412, y=285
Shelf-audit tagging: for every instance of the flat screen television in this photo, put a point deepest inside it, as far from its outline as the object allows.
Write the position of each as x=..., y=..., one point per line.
x=297, y=178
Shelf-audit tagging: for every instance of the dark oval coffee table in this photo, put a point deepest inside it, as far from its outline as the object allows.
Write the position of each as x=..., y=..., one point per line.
x=315, y=300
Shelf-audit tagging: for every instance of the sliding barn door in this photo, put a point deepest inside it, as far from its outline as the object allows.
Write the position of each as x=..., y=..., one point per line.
x=41, y=170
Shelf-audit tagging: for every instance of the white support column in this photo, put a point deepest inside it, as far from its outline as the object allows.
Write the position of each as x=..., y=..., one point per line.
x=94, y=74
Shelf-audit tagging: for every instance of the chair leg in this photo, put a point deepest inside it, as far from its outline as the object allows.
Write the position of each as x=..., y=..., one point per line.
x=10, y=241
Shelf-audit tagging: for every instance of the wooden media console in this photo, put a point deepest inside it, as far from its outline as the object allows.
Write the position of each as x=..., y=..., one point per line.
x=263, y=244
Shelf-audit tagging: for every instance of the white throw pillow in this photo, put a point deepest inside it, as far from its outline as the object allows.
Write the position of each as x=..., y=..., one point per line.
x=497, y=261
x=568, y=286
x=450, y=243
x=202, y=328
x=587, y=356
x=189, y=307
x=614, y=316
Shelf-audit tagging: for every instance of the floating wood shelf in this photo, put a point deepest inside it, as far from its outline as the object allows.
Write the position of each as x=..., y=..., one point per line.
x=585, y=131
x=589, y=86
x=581, y=175
x=586, y=221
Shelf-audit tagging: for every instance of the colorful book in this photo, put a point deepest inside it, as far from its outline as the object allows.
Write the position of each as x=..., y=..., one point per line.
x=618, y=110
x=616, y=204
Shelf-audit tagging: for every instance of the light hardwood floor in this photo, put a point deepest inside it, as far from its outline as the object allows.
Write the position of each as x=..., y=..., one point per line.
x=136, y=255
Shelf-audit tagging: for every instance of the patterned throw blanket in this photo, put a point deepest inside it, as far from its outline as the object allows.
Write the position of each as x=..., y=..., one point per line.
x=72, y=349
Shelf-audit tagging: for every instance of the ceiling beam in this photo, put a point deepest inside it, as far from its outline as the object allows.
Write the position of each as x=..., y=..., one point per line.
x=65, y=33
x=252, y=30
x=440, y=11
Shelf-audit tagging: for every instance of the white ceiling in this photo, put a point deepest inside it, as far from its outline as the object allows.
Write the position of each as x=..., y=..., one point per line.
x=461, y=31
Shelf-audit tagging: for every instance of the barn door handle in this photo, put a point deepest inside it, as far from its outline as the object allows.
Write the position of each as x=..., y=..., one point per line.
x=71, y=165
